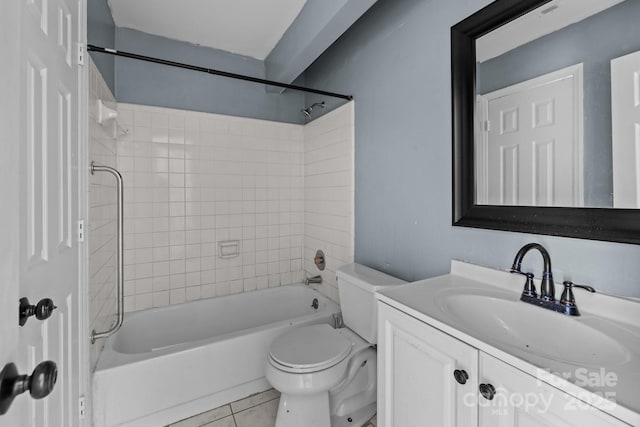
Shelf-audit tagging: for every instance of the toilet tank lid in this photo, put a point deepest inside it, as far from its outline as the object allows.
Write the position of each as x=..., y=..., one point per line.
x=366, y=277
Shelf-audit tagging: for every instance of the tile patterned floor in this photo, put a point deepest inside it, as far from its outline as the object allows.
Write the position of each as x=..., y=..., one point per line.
x=258, y=410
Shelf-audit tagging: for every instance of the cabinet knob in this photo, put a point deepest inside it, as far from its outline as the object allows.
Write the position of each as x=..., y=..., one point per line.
x=487, y=391
x=461, y=376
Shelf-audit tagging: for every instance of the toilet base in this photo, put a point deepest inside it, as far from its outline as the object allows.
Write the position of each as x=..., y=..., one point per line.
x=313, y=411
x=358, y=418
x=303, y=410
x=331, y=397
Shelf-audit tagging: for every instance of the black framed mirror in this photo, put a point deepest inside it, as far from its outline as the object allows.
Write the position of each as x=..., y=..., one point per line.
x=596, y=223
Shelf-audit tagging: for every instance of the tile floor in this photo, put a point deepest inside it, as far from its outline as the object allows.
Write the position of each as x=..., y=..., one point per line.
x=258, y=410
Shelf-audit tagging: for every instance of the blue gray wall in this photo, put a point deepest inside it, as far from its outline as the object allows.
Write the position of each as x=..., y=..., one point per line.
x=101, y=32
x=594, y=42
x=396, y=61
x=146, y=83
x=150, y=84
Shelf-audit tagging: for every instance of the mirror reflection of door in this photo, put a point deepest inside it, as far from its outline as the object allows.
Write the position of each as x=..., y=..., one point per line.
x=625, y=117
x=529, y=152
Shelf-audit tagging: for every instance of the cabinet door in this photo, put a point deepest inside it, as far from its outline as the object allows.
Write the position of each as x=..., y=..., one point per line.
x=416, y=383
x=522, y=400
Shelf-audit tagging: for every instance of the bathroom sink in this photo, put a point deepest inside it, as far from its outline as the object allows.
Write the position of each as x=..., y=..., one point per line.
x=588, y=355
x=503, y=320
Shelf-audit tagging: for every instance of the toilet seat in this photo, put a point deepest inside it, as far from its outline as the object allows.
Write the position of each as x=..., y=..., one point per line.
x=309, y=349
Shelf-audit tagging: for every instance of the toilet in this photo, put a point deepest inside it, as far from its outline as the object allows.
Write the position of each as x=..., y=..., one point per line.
x=327, y=376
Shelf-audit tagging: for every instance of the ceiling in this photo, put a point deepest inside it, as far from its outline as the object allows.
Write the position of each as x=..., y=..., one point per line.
x=548, y=18
x=244, y=27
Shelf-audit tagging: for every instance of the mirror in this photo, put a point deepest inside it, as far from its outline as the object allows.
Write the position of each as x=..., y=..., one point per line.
x=536, y=86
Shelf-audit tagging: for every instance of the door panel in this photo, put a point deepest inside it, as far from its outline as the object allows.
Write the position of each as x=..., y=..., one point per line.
x=9, y=194
x=43, y=203
x=532, y=145
x=416, y=386
x=625, y=114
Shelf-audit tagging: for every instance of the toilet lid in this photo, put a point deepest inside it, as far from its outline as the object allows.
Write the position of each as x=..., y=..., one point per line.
x=308, y=348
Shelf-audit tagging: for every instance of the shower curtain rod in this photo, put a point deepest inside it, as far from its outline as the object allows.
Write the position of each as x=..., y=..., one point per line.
x=92, y=48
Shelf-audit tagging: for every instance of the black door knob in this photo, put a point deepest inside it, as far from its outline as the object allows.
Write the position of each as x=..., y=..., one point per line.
x=461, y=376
x=40, y=383
x=487, y=391
x=42, y=310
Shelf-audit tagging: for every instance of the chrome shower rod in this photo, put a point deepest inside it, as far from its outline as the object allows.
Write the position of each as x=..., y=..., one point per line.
x=92, y=48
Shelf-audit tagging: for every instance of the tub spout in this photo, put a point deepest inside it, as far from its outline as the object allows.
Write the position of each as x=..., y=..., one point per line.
x=314, y=279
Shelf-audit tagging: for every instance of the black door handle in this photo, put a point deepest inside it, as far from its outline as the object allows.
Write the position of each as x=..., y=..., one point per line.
x=40, y=383
x=42, y=310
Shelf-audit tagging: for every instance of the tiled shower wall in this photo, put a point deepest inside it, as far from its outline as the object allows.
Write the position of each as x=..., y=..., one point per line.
x=329, y=194
x=196, y=180
x=101, y=224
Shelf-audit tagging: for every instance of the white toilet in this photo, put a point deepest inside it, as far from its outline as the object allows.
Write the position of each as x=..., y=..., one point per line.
x=327, y=376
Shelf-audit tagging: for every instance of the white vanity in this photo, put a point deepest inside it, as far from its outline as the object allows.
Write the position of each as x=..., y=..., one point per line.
x=463, y=350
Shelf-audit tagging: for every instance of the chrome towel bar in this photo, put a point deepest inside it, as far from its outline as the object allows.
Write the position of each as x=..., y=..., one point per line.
x=119, y=253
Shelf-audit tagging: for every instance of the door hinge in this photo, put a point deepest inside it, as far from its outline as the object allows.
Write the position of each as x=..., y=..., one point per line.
x=81, y=53
x=82, y=407
x=81, y=231
x=486, y=126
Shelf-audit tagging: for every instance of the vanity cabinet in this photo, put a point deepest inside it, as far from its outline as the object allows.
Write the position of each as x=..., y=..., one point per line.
x=416, y=365
x=429, y=378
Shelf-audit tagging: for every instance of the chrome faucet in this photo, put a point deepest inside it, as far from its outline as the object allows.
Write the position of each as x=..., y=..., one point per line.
x=546, y=299
x=314, y=279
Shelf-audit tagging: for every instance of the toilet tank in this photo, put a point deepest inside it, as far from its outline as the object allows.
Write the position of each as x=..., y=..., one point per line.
x=357, y=285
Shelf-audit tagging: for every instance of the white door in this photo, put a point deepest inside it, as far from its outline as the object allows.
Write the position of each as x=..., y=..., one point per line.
x=9, y=194
x=521, y=400
x=416, y=382
x=625, y=115
x=40, y=163
x=532, y=144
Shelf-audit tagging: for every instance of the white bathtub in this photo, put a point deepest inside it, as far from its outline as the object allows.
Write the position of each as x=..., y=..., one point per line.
x=169, y=363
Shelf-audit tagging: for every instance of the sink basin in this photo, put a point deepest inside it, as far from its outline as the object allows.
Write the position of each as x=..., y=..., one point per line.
x=481, y=307
x=505, y=321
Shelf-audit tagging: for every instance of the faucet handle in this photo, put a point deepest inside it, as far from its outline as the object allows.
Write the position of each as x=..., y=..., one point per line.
x=568, y=300
x=567, y=295
x=516, y=269
x=529, y=287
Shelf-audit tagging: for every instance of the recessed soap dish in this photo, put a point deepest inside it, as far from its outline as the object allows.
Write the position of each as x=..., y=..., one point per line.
x=229, y=248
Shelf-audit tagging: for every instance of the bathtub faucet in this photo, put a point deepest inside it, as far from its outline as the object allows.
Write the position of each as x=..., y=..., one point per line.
x=314, y=279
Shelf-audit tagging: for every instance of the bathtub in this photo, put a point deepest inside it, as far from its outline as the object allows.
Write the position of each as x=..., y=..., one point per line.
x=166, y=364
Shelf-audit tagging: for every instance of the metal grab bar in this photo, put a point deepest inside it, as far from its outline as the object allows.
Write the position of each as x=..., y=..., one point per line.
x=119, y=253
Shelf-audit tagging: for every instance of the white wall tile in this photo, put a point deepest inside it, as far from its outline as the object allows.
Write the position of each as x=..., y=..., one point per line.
x=101, y=224
x=328, y=196
x=195, y=179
